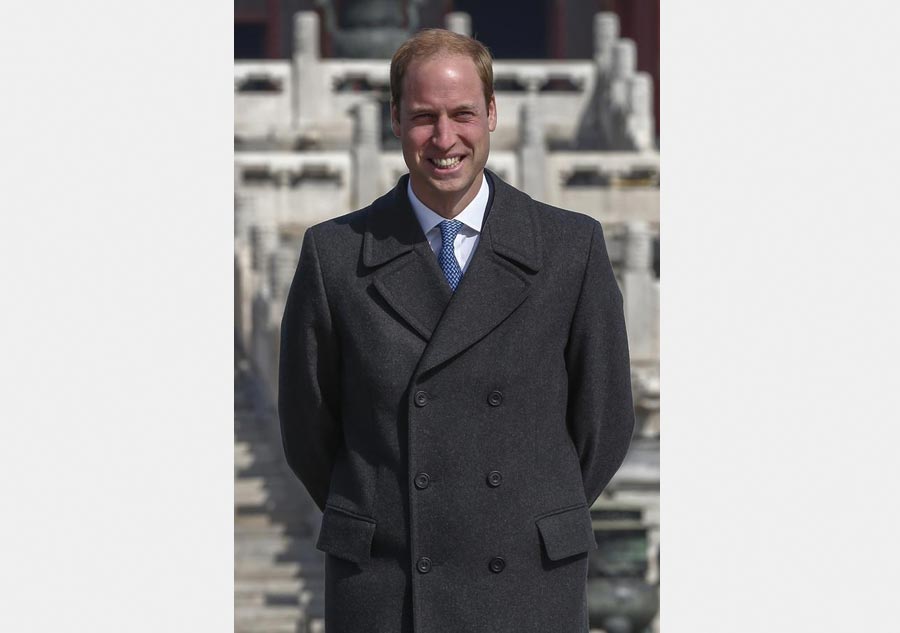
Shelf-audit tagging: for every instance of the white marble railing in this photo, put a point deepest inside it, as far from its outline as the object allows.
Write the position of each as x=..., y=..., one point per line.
x=608, y=163
x=336, y=161
x=307, y=187
x=560, y=112
x=620, y=186
x=601, y=102
x=297, y=188
x=342, y=84
x=262, y=113
x=276, y=70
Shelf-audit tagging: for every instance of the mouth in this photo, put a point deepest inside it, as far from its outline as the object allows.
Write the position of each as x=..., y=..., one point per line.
x=446, y=164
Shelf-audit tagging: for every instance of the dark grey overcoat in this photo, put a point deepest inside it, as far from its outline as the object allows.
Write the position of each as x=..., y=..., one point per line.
x=455, y=441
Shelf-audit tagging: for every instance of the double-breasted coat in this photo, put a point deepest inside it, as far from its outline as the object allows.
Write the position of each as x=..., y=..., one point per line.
x=455, y=441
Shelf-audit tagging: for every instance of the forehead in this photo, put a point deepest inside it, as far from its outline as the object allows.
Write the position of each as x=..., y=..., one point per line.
x=442, y=77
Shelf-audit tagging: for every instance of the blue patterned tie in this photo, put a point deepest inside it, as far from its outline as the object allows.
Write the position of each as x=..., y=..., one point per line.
x=447, y=256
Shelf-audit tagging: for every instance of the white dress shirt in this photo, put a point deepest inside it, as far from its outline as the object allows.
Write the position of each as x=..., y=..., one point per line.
x=472, y=218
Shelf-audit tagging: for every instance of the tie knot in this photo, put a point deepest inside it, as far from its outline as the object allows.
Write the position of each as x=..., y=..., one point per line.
x=449, y=229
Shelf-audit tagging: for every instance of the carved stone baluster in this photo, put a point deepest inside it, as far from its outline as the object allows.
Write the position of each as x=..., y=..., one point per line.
x=532, y=146
x=638, y=286
x=365, y=152
x=459, y=22
x=307, y=75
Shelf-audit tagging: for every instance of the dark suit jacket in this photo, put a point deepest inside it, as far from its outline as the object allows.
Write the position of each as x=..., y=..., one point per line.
x=455, y=441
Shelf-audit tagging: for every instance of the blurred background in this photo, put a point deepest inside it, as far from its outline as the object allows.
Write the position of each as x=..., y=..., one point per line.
x=577, y=89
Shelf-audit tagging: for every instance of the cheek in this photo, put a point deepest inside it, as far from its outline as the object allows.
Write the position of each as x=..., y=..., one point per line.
x=414, y=139
x=474, y=138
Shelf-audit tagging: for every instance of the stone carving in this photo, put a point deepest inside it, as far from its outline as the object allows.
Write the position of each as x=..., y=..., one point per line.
x=459, y=22
x=369, y=29
x=639, y=125
x=307, y=74
x=606, y=33
x=640, y=290
x=624, y=59
x=306, y=35
x=282, y=264
x=646, y=401
x=638, y=247
x=366, y=146
x=620, y=114
x=532, y=149
x=263, y=241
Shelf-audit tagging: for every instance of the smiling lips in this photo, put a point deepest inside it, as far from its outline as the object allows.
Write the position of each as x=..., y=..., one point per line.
x=446, y=163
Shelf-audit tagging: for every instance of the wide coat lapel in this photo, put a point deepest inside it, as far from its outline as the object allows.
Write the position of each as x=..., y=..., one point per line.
x=498, y=278
x=408, y=278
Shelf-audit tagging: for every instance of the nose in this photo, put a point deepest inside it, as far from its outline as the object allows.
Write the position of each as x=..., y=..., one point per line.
x=442, y=136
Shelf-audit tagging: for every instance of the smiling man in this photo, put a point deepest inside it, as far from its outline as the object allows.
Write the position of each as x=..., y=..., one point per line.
x=443, y=113
x=454, y=386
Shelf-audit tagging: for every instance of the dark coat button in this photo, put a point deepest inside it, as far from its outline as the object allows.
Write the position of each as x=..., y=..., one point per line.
x=421, y=481
x=424, y=564
x=421, y=398
x=497, y=564
x=494, y=478
x=495, y=398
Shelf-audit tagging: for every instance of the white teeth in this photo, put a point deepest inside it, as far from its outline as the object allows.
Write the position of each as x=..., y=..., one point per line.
x=446, y=162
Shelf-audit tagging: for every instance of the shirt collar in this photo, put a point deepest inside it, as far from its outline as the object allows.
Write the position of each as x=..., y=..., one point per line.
x=472, y=216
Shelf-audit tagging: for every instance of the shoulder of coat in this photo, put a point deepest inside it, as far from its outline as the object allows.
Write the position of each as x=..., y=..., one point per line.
x=342, y=228
x=571, y=230
x=549, y=218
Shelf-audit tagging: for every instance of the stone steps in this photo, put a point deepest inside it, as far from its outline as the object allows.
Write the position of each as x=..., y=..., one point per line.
x=268, y=615
x=279, y=576
x=259, y=569
x=270, y=627
x=245, y=586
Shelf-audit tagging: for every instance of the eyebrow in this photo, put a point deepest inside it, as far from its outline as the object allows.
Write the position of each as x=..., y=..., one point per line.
x=413, y=111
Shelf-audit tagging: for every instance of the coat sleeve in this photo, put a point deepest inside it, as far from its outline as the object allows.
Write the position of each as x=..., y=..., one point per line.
x=600, y=412
x=308, y=377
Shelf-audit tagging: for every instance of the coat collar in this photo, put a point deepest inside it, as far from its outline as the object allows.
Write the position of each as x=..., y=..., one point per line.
x=408, y=278
x=392, y=228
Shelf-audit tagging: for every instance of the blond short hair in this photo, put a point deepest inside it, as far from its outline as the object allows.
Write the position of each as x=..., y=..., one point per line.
x=430, y=43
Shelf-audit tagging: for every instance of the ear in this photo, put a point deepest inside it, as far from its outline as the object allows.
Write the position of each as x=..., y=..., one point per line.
x=395, y=119
x=492, y=114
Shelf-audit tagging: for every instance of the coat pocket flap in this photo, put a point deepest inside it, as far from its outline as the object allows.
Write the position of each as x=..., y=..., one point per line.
x=567, y=532
x=346, y=535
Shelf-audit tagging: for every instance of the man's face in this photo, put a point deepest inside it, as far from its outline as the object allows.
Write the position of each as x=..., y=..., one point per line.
x=444, y=127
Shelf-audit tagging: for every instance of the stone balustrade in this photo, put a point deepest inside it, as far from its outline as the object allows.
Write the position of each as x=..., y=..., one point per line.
x=262, y=99
x=298, y=188
x=601, y=103
x=613, y=187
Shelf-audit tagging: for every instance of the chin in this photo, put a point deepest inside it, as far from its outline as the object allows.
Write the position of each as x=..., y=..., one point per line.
x=453, y=189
